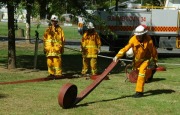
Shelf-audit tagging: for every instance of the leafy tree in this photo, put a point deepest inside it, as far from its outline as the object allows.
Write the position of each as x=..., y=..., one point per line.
x=11, y=33
x=11, y=4
x=45, y=8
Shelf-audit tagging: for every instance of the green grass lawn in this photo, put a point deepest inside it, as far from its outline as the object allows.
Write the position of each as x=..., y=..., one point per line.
x=111, y=97
x=69, y=31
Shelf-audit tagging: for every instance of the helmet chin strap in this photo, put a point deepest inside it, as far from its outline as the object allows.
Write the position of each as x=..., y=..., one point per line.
x=141, y=38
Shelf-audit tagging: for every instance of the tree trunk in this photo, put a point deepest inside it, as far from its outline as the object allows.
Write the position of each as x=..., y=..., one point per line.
x=116, y=8
x=28, y=23
x=11, y=37
x=43, y=9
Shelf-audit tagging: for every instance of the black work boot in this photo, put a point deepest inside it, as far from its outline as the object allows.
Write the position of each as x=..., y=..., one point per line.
x=151, y=77
x=51, y=76
x=83, y=75
x=138, y=95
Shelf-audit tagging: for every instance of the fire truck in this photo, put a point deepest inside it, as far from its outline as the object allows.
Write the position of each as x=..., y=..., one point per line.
x=163, y=23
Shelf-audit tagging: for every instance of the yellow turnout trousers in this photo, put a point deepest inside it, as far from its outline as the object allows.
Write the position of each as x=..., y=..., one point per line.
x=141, y=75
x=93, y=65
x=54, y=64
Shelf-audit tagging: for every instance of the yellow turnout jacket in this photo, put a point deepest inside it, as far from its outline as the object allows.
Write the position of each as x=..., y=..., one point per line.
x=142, y=51
x=90, y=44
x=54, y=41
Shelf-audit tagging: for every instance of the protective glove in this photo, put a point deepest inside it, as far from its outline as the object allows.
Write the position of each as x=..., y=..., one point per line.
x=152, y=63
x=115, y=59
x=99, y=51
x=80, y=50
x=123, y=63
x=156, y=65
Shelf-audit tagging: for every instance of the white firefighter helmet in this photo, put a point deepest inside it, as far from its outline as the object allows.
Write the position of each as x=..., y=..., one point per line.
x=130, y=53
x=90, y=25
x=140, y=30
x=54, y=18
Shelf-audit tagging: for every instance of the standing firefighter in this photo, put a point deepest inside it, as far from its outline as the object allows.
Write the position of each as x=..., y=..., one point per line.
x=144, y=54
x=80, y=24
x=54, y=48
x=90, y=47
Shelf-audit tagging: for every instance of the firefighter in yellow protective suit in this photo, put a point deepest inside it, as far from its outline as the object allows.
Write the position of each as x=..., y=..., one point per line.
x=80, y=24
x=144, y=54
x=54, y=48
x=90, y=47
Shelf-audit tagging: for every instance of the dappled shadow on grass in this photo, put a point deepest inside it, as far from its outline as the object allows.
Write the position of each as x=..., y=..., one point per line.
x=26, y=81
x=3, y=96
x=70, y=63
x=153, y=80
x=147, y=93
x=158, y=92
x=86, y=104
x=158, y=79
x=65, y=76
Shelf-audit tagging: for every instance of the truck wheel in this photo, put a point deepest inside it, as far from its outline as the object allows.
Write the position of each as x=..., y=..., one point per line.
x=170, y=49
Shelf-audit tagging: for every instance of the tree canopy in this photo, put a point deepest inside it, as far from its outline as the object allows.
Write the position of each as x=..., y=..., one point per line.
x=45, y=8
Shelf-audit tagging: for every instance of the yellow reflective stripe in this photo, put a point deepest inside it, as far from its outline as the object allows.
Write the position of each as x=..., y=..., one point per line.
x=91, y=55
x=57, y=68
x=54, y=41
x=94, y=71
x=142, y=75
x=84, y=71
x=53, y=54
x=91, y=46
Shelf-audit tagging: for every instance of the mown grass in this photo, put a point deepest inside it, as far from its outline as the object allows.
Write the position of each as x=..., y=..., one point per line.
x=69, y=31
x=111, y=97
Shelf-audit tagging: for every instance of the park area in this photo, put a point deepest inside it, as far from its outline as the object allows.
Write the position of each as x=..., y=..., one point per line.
x=111, y=97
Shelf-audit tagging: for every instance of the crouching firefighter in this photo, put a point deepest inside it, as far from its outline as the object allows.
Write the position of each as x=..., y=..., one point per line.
x=145, y=54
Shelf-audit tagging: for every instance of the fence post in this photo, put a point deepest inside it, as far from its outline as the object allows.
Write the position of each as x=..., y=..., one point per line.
x=36, y=49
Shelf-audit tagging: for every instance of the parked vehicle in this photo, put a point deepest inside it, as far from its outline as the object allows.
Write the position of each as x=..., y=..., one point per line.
x=163, y=24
